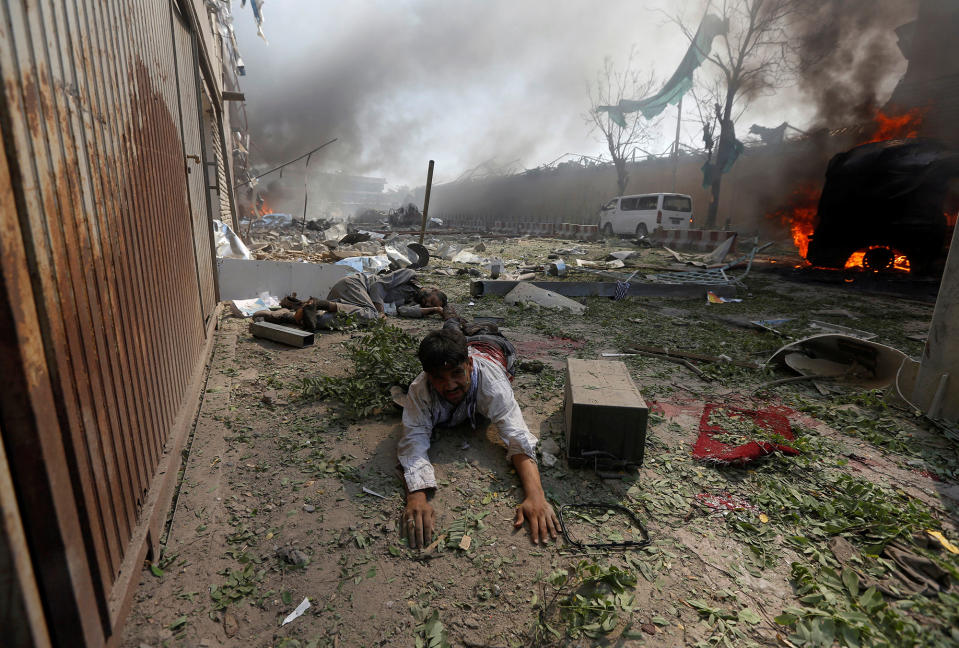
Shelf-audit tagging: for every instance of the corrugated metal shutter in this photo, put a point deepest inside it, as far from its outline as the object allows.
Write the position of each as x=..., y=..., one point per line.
x=107, y=279
x=223, y=187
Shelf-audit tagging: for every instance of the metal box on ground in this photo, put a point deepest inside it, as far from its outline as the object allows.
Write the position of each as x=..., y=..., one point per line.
x=605, y=413
x=282, y=334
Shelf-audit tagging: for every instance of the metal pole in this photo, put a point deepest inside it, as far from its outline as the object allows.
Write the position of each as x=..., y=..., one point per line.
x=679, y=121
x=936, y=389
x=306, y=190
x=426, y=201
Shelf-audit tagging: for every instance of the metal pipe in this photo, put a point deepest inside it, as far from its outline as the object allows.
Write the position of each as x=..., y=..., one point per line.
x=426, y=201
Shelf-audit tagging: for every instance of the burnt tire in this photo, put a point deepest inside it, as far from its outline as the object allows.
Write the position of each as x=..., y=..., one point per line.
x=641, y=230
x=608, y=230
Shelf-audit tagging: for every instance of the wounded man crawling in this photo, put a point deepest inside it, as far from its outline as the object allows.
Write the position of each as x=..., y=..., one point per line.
x=463, y=378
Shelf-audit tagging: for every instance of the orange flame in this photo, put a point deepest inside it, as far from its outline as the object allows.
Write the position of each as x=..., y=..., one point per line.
x=265, y=208
x=800, y=213
x=904, y=126
x=800, y=216
x=856, y=259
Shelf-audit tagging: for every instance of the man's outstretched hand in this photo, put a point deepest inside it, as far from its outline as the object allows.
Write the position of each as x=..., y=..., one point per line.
x=542, y=520
x=417, y=523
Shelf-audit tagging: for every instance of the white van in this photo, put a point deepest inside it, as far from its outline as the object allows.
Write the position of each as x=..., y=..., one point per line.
x=640, y=215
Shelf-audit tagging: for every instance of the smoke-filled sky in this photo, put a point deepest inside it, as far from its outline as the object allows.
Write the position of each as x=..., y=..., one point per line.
x=400, y=82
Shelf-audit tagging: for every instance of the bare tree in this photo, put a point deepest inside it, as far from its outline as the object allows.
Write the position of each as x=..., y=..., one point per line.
x=754, y=57
x=611, y=87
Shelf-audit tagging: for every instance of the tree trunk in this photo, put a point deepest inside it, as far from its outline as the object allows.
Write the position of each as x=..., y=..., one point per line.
x=723, y=148
x=622, y=178
x=713, y=213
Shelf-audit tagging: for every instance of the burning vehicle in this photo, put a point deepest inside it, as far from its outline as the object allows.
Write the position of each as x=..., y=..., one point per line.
x=883, y=207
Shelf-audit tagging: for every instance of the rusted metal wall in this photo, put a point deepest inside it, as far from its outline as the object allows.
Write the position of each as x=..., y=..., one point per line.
x=108, y=287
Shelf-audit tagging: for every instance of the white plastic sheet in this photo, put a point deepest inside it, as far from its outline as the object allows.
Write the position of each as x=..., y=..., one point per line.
x=228, y=244
x=298, y=612
x=249, y=306
x=366, y=263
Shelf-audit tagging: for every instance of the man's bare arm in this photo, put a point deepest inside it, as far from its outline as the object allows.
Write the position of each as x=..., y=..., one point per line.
x=534, y=508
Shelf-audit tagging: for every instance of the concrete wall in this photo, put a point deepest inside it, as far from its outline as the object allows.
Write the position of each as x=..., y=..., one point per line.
x=762, y=181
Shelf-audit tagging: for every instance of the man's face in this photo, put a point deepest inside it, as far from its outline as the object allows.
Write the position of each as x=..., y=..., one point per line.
x=454, y=383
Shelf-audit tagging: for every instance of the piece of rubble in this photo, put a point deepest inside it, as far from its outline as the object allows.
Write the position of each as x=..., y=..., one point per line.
x=525, y=293
x=531, y=366
x=292, y=556
x=622, y=255
x=557, y=268
x=570, y=251
x=465, y=256
x=550, y=446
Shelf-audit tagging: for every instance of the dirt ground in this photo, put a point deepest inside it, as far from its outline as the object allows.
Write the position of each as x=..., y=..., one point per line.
x=275, y=506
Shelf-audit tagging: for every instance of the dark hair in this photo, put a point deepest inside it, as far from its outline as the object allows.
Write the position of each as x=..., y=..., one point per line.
x=442, y=349
x=426, y=292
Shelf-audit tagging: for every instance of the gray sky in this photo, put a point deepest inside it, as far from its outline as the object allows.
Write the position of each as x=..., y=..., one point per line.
x=400, y=82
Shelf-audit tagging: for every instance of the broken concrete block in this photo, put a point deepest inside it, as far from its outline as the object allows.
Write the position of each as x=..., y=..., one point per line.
x=605, y=413
x=283, y=334
x=525, y=293
x=557, y=268
x=465, y=256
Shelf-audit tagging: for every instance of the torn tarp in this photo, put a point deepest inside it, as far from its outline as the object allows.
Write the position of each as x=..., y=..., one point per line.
x=366, y=263
x=228, y=244
x=681, y=81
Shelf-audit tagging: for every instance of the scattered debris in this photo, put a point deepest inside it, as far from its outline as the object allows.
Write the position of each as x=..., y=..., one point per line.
x=556, y=268
x=724, y=502
x=373, y=493
x=845, y=330
x=849, y=360
x=298, y=612
x=292, y=556
x=713, y=298
x=530, y=365
x=246, y=307
x=528, y=294
x=623, y=255
x=675, y=353
x=227, y=243
x=570, y=251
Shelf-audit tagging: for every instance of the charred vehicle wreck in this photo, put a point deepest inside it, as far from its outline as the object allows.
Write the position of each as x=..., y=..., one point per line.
x=884, y=206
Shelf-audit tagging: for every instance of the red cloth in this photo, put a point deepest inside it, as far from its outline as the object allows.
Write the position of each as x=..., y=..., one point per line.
x=770, y=420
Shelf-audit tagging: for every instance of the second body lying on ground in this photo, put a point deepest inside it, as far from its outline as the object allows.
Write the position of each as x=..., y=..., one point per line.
x=364, y=296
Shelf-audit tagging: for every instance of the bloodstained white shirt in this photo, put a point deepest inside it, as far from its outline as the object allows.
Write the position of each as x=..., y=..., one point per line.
x=425, y=410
